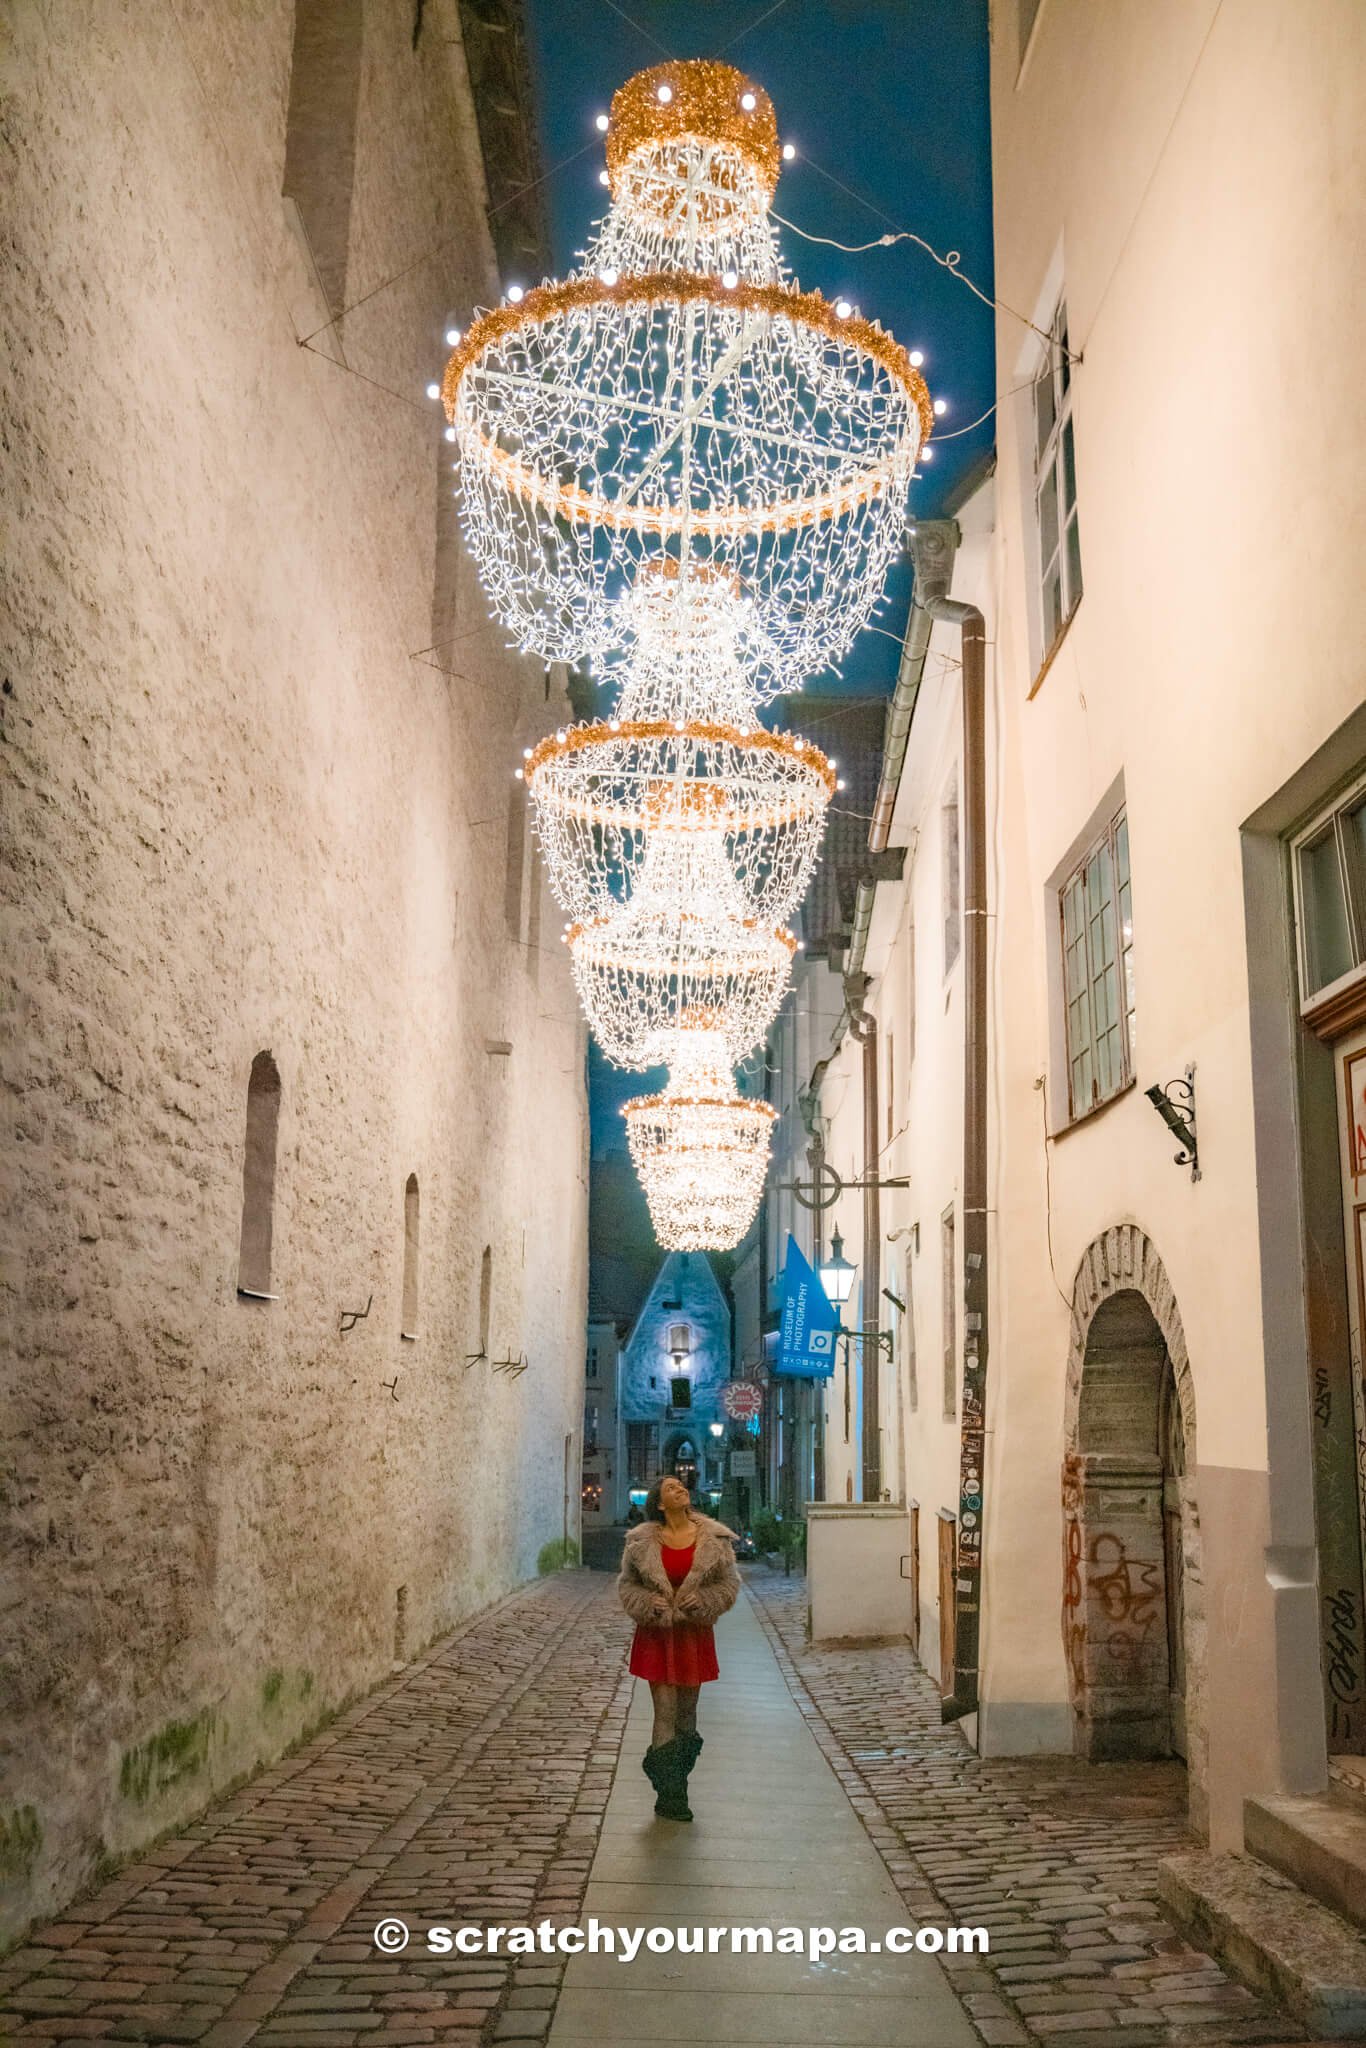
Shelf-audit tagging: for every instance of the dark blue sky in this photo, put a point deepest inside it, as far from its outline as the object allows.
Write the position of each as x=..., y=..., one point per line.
x=885, y=97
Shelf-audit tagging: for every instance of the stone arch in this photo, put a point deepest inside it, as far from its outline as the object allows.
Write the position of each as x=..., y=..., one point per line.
x=1132, y=1583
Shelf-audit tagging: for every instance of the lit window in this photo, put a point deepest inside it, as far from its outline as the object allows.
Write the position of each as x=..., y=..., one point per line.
x=1097, y=934
x=1055, y=471
x=1330, y=894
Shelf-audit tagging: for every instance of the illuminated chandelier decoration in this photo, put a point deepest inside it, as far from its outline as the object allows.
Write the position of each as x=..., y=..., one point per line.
x=683, y=950
x=679, y=466
x=702, y=411
x=700, y=1148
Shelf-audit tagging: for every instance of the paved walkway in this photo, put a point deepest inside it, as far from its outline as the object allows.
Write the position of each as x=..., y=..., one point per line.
x=488, y=1783
x=1056, y=1857
x=775, y=1844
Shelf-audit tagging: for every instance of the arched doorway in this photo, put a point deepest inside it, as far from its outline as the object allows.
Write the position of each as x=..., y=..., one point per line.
x=680, y=1458
x=1133, y=1624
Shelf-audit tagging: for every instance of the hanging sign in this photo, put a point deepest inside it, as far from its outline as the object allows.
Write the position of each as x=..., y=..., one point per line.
x=809, y=1321
x=742, y=1400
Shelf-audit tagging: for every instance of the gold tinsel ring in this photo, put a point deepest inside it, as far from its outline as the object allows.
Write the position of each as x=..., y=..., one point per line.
x=704, y=106
x=545, y=302
x=761, y=1110
x=758, y=739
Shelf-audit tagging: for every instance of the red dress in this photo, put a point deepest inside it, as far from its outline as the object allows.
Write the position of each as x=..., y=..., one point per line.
x=684, y=1654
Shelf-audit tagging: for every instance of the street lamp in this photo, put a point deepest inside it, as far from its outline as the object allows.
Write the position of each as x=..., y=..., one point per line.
x=837, y=1273
x=718, y=1429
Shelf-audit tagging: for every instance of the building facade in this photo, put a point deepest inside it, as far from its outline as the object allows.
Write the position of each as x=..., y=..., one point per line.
x=604, y=1460
x=1169, y=1501
x=294, y=1311
x=676, y=1361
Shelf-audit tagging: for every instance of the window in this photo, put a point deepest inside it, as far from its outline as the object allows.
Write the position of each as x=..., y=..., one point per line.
x=1330, y=894
x=908, y=1331
x=590, y=1426
x=680, y=1339
x=680, y=1392
x=1055, y=471
x=950, y=1313
x=952, y=889
x=591, y=1369
x=485, y=1299
x=1096, y=913
x=320, y=134
x=408, y=1323
x=258, y=1179
x=642, y=1453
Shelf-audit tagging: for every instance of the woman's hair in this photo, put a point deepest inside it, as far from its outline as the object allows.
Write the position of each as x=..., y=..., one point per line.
x=653, y=1511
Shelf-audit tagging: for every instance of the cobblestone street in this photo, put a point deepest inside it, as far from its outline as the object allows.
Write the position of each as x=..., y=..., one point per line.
x=473, y=1786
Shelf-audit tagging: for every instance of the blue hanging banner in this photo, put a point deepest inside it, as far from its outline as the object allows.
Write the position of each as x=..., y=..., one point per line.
x=809, y=1322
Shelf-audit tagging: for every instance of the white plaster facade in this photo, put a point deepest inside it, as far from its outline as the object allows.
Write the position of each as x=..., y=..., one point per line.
x=1191, y=177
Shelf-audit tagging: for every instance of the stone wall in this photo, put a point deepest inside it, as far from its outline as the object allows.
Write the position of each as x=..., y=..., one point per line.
x=251, y=807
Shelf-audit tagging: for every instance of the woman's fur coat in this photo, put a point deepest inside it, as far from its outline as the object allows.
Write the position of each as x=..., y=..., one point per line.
x=713, y=1581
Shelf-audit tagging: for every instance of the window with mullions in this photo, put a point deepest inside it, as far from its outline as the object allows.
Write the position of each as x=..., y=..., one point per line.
x=1330, y=894
x=1055, y=470
x=1096, y=910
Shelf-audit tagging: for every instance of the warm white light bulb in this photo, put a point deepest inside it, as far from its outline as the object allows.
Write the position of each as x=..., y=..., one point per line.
x=515, y=295
x=609, y=277
x=517, y=775
x=941, y=406
x=789, y=152
x=917, y=357
x=665, y=94
x=730, y=279
x=602, y=124
x=748, y=102
x=450, y=433
x=833, y=762
x=843, y=308
x=452, y=337
x=927, y=455
x=840, y=783
x=603, y=178
x=433, y=391
x=526, y=753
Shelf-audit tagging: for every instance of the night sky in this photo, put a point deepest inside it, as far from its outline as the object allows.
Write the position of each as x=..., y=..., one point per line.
x=887, y=98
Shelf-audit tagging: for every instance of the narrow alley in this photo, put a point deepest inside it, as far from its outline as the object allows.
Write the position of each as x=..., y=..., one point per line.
x=495, y=1781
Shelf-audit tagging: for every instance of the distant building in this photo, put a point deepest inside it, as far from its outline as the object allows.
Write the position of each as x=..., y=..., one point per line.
x=604, y=1474
x=676, y=1361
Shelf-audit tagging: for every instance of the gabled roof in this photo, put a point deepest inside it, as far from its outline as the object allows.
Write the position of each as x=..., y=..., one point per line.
x=669, y=1270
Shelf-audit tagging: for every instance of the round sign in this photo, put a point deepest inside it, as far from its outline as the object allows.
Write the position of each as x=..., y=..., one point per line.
x=742, y=1400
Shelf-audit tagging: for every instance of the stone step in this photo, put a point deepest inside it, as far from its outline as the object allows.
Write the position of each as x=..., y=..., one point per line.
x=1271, y=1936
x=1347, y=1776
x=1318, y=1842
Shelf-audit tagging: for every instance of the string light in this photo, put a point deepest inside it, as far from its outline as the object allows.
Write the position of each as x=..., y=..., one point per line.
x=700, y=1148
x=699, y=405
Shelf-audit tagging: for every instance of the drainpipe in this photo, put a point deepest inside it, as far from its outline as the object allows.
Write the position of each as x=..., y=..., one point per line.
x=863, y=1026
x=931, y=592
x=808, y=1107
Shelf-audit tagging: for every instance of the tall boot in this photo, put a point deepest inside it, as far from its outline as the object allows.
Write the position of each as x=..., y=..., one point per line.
x=690, y=1748
x=673, y=1761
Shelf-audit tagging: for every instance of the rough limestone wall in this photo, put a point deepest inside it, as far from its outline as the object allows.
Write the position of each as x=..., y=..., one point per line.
x=240, y=815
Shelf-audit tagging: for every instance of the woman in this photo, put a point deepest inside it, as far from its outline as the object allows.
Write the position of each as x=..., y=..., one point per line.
x=678, y=1576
